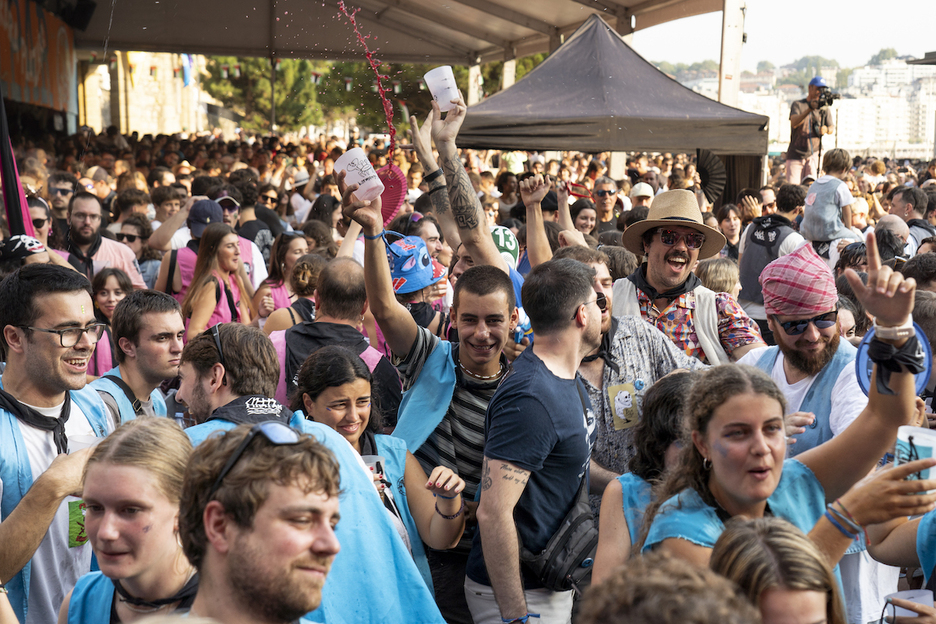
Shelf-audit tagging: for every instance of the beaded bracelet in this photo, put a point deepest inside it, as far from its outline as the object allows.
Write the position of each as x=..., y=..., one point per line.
x=453, y=516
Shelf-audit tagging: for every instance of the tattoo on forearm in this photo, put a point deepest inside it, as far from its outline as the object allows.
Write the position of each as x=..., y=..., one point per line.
x=440, y=201
x=516, y=475
x=464, y=201
x=486, y=481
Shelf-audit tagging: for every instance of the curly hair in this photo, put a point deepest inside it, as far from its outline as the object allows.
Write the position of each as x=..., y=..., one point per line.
x=710, y=390
x=660, y=589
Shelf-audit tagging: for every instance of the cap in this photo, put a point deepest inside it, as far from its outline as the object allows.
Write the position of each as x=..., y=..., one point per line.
x=818, y=81
x=642, y=189
x=550, y=203
x=98, y=174
x=413, y=267
x=203, y=213
x=224, y=199
x=300, y=178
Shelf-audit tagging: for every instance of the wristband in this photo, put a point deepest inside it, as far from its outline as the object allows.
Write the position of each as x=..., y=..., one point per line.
x=890, y=359
x=447, y=497
x=375, y=237
x=453, y=516
x=895, y=333
x=438, y=188
x=432, y=176
x=520, y=619
x=838, y=526
x=852, y=526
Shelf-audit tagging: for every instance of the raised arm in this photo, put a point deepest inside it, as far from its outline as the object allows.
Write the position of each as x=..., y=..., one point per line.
x=532, y=192
x=565, y=215
x=395, y=321
x=438, y=189
x=161, y=239
x=844, y=459
x=466, y=209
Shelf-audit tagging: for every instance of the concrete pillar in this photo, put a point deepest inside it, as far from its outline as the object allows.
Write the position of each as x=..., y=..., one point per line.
x=617, y=166
x=510, y=73
x=729, y=71
x=475, y=84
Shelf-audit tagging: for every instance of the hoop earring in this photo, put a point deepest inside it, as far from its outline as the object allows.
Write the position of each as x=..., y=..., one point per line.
x=707, y=463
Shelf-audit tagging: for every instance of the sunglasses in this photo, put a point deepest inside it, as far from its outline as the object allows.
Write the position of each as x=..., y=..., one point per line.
x=266, y=199
x=39, y=223
x=130, y=238
x=60, y=191
x=604, y=193
x=671, y=237
x=795, y=328
x=600, y=300
x=275, y=432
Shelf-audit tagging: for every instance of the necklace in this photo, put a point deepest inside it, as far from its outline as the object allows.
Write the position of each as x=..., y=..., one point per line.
x=482, y=377
x=138, y=605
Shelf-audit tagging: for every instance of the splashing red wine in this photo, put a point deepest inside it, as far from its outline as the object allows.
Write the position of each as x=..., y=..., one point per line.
x=375, y=66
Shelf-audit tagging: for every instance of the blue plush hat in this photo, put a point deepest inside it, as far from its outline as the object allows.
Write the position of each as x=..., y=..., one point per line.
x=413, y=268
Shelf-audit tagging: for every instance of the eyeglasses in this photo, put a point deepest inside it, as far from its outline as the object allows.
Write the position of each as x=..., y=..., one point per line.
x=604, y=193
x=39, y=223
x=60, y=191
x=795, y=328
x=266, y=199
x=70, y=336
x=600, y=300
x=693, y=240
x=130, y=238
x=80, y=216
x=275, y=432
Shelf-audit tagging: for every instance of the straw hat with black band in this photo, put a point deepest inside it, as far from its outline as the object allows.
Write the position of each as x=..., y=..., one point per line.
x=674, y=208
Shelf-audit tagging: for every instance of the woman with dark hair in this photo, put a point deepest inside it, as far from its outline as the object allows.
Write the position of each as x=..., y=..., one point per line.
x=109, y=287
x=584, y=216
x=214, y=295
x=327, y=209
x=657, y=437
x=287, y=249
x=508, y=187
x=729, y=222
x=304, y=281
x=134, y=233
x=853, y=256
x=334, y=388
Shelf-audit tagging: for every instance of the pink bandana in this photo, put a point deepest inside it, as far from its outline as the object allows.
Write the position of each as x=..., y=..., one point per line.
x=798, y=283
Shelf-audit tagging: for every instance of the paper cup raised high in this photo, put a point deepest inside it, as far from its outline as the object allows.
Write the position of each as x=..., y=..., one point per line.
x=441, y=84
x=358, y=170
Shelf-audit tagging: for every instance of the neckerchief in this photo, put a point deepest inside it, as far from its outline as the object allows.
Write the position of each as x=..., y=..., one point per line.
x=185, y=596
x=81, y=261
x=34, y=419
x=368, y=443
x=604, y=349
x=640, y=281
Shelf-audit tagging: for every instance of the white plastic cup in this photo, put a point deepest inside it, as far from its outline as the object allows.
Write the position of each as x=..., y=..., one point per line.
x=919, y=596
x=915, y=443
x=377, y=462
x=79, y=442
x=358, y=170
x=441, y=84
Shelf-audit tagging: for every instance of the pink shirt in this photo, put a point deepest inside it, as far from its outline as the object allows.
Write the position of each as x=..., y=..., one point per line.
x=118, y=256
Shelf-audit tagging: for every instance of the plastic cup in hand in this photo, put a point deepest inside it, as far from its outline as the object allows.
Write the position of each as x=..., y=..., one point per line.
x=441, y=84
x=376, y=462
x=915, y=443
x=919, y=596
x=358, y=170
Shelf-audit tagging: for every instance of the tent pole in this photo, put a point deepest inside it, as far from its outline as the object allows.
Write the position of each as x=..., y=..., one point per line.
x=272, y=93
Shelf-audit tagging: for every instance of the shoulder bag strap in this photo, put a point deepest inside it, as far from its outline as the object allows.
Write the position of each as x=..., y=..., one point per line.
x=135, y=402
x=170, y=278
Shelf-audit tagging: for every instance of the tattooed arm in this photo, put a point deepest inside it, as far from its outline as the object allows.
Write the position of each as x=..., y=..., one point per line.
x=466, y=211
x=502, y=484
x=438, y=191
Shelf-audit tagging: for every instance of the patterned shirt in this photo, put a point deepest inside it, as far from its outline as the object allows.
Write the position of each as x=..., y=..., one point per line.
x=735, y=327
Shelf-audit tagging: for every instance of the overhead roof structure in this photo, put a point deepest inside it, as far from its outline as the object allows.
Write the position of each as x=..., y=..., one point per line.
x=462, y=32
x=596, y=94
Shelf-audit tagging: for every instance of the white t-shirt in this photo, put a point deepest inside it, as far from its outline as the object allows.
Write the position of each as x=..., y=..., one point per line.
x=848, y=400
x=790, y=244
x=60, y=559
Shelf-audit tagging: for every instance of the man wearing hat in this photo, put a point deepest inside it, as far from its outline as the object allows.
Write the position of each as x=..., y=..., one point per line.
x=664, y=291
x=808, y=122
x=641, y=195
x=413, y=273
x=815, y=370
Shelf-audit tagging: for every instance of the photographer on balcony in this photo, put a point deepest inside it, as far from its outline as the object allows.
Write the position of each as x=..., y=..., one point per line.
x=809, y=120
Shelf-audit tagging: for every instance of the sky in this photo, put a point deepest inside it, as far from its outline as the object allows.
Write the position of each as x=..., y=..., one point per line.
x=781, y=32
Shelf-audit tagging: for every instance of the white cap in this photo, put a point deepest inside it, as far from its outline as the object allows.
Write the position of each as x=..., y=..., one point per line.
x=642, y=189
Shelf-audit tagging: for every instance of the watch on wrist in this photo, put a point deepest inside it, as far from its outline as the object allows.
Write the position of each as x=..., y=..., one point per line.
x=899, y=332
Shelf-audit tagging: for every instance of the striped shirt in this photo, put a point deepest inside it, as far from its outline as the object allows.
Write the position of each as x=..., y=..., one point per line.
x=458, y=441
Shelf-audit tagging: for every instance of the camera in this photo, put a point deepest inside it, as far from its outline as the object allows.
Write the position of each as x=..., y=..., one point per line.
x=827, y=96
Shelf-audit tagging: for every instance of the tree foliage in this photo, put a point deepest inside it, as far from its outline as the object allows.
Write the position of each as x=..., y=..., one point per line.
x=765, y=66
x=883, y=55
x=707, y=66
x=250, y=93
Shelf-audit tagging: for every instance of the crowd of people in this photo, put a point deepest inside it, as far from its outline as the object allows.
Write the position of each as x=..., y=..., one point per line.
x=516, y=389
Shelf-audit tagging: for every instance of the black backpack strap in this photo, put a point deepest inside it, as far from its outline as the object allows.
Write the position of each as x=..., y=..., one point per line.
x=292, y=315
x=128, y=392
x=172, y=266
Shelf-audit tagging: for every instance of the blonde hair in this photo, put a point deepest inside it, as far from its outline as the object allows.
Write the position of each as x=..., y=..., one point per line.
x=770, y=553
x=718, y=274
x=158, y=445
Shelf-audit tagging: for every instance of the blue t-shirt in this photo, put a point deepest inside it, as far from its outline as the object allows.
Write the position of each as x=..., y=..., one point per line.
x=537, y=422
x=926, y=544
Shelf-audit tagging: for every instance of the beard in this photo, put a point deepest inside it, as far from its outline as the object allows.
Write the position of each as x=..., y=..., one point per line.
x=276, y=595
x=811, y=364
x=80, y=239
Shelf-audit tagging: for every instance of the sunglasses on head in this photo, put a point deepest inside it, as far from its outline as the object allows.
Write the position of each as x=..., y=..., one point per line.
x=275, y=432
x=130, y=238
x=694, y=240
x=855, y=248
x=822, y=321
